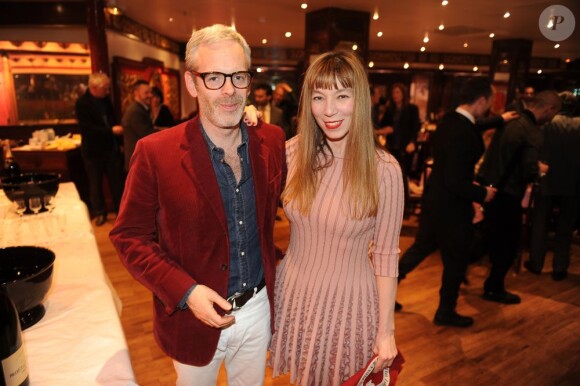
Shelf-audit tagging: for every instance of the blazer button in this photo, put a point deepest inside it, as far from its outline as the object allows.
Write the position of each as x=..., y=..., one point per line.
x=224, y=267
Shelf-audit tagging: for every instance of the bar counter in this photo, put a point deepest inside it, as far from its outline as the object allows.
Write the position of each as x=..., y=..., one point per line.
x=80, y=340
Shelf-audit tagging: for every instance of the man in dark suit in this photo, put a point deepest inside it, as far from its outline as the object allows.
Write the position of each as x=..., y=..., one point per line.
x=196, y=224
x=100, y=144
x=447, y=210
x=560, y=188
x=270, y=113
x=518, y=164
x=137, y=122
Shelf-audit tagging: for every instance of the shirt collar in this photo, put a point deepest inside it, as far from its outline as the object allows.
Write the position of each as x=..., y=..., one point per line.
x=212, y=147
x=466, y=114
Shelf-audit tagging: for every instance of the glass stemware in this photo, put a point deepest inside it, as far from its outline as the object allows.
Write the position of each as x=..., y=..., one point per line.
x=49, y=202
x=20, y=206
x=35, y=204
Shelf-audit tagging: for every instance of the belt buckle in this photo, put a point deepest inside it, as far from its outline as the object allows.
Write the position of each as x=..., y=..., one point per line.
x=232, y=300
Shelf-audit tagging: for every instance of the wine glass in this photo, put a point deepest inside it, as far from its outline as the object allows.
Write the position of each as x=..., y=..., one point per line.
x=20, y=206
x=49, y=202
x=35, y=204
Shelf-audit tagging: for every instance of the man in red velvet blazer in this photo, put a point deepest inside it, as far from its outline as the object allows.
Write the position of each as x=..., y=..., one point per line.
x=197, y=219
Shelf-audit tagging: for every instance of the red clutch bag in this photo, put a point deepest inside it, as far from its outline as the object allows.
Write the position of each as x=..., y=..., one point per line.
x=387, y=377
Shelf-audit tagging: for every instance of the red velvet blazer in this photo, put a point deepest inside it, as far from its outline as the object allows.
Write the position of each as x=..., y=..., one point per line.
x=171, y=231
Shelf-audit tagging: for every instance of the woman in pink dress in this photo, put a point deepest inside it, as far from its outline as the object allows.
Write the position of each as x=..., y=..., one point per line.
x=336, y=287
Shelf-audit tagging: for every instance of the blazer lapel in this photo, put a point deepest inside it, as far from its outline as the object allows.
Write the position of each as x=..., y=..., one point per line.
x=258, y=158
x=197, y=164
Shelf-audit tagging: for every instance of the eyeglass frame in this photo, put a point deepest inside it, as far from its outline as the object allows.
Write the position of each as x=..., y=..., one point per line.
x=202, y=75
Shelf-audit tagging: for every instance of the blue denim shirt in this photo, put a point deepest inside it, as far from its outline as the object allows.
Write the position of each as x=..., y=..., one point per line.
x=239, y=202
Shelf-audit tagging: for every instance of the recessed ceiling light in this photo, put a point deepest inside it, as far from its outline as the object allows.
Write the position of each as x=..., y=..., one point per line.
x=171, y=20
x=475, y=69
x=441, y=66
x=506, y=15
x=539, y=71
x=376, y=15
x=465, y=45
x=406, y=65
x=259, y=69
x=505, y=61
x=556, y=45
x=288, y=34
x=491, y=35
x=568, y=60
x=371, y=64
x=441, y=27
x=264, y=41
x=444, y=3
x=354, y=47
x=379, y=34
x=423, y=49
x=426, y=38
x=304, y=6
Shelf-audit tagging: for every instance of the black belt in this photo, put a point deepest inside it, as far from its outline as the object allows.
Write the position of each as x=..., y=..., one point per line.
x=239, y=299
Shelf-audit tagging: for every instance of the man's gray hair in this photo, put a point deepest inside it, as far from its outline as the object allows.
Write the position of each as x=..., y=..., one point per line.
x=210, y=35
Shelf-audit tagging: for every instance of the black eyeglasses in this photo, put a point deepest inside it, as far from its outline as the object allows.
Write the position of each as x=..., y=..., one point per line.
x=216, y=80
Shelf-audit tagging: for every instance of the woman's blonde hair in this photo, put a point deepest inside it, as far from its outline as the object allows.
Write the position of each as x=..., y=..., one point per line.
x=331, y=71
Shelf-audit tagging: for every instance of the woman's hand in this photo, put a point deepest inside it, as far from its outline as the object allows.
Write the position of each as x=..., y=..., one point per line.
x=386, y=349
x=251, y=115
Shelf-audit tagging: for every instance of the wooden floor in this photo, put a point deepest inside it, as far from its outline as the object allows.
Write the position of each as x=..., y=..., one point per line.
x=534, y=343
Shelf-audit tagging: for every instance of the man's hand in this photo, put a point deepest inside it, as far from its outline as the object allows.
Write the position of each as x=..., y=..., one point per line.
x=117, y=129
x=509, y=115
x=490, y=193
x=201, y=301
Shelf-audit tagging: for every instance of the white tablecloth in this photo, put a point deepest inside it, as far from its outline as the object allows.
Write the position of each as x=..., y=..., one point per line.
x=80, y=340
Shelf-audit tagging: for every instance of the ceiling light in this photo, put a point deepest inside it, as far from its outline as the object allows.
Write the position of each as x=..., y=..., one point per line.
x=304, y=6
x=426, y=38
x=406, y=65
x=376, y=15
x=171, y=20
x=539, y=71
x=465, y=45
x=264, y=41
x=506, y=15
x=505, y=61
x=556, y=45
x=354, y=47
x=112, y=7
x=568, y=60
x=371, y=64
x=379, y=34
x=444, y=3
x=441, y=27
x=475, y=69
x=491, y=35
x=288, y=34
x=441, y=66
x=259, y=69
x=423, y=49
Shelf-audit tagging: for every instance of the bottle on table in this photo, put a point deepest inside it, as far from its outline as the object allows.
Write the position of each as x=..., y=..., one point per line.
x=13, y=364
x=11, y=167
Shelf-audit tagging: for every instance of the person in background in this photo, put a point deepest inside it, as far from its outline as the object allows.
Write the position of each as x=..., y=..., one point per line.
x=560, y=188
x=160, y=113
x=284, y=99
x=270, y=113
x=447, y=211
x=344, y=199
x=137, y=121
x=521, y=103
x=100, y=146
x=518, y=164
x=401, y=124
x=196, y=224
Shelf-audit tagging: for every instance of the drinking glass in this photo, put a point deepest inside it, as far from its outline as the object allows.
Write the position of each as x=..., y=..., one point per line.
x=49, y=202
x=20, y=206
x=35, y=204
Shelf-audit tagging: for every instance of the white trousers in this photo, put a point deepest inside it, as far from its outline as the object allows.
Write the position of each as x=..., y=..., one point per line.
x=243, y=346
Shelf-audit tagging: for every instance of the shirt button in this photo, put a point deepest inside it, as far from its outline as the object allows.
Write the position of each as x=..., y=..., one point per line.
x=241, y=222
x=243, y=284
x=237, y=190
x=243, y=253
x=224, y=267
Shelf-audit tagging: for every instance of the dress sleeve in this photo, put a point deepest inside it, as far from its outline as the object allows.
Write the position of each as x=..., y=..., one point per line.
x=389, y=218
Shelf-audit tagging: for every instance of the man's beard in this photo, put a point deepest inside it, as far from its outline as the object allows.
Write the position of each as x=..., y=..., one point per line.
x=224, y=119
